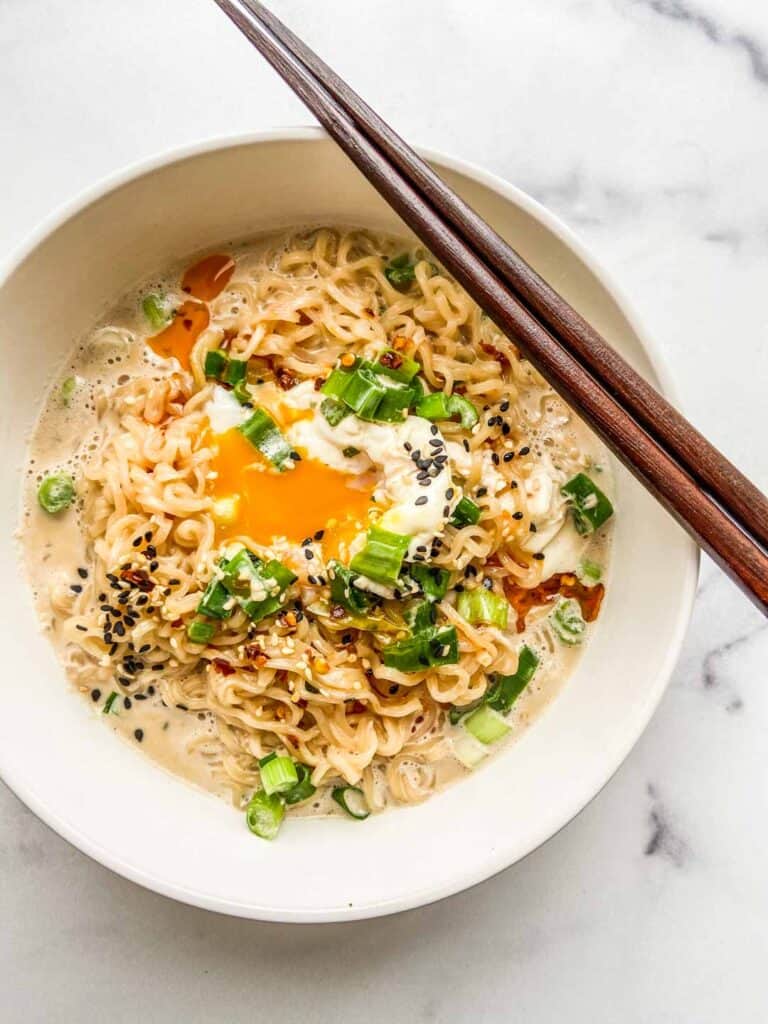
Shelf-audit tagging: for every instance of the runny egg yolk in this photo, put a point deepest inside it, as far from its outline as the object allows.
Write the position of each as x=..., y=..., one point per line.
x=254, y=499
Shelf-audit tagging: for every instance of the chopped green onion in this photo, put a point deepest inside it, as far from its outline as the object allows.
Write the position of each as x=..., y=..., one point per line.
x=382, y=556
x=156, y=311
x=486, y=725
x=466, y=513
x=67, y=391
x=364, y=392
x=109, y=703
x=506, y=689
x=439, y=406
x=344, y=593
x=468, y=750
x=432, y=580
x=397, y=366
x=350, y=452
x=278, y=774
x=262, y=432
x=56, y=492
x=215, y=363
x=352, y=800
x=420, y=616
x=589, y=572
x=483, y=606
x=394, y=405
x=337, y=383
x=260, y=587
x=423, y=650
x=401, y=272
x=199, y=632
x=216, y=601
x=590, y=508
x=568, y=622
x=334, y=411
x=303, y=789
x=242, y=394
x=264, y=814
x=234, y=372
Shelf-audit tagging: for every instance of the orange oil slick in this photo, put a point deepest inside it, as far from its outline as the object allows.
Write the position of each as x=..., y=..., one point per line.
x=294, y=504
x=178, y=338
x=562, y=584
x=207, y=278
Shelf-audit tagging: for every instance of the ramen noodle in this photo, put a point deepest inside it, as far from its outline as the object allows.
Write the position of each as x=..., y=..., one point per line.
x=306, y=527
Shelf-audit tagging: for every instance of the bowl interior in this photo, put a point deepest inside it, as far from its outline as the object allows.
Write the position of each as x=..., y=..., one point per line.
x=101, y=793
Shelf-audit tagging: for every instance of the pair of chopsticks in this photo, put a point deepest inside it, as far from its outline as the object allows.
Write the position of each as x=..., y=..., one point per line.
x=718, y=506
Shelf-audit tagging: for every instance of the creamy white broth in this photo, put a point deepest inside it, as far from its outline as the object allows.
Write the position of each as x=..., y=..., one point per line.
x=57, y=549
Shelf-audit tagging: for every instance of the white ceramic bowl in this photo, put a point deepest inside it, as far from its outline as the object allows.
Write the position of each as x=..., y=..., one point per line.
x=108, y=799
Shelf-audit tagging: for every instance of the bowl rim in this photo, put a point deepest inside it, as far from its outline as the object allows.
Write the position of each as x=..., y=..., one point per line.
x=460, y=881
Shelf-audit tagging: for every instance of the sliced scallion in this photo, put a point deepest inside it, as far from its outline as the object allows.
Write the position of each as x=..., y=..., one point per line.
x=401, y=272
x=439, y=406
x=427, y=649
x=278, y=774
x=234, y=372
x=199, y=632
x=483, y=606
x=568, y=622
x=303, y=789
x=382, y=556
x=109, y=704
x=242, y=394
x=590, y=508
x=344, y=593
x=264, y=814
x=352, y=800
x=68, y=388
x=466, y=513
x=259, y=587
x=504, y=690
x=56, y=493
x=156, y=311
x=260, y=429
x=432, y=580
x=216, y=601
x=334, y=411
x=486, y=725
x=215, y=363
x=589, y=572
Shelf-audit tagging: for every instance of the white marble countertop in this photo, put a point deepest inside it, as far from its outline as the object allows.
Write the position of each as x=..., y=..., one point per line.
x=643, y=124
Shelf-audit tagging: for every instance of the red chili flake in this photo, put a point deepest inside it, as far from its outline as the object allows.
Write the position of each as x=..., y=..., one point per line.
x=293, y=740
x=138, y=578
x=223, y=666
x=302, y=703
x=319, y=381
x=392, y=360
x=355, y=708
x=337, y=612
x=303, y=318
x=177, y=623
x=255, y=654
x=285, y=379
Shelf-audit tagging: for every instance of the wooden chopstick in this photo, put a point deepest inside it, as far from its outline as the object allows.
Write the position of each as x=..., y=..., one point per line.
x=743, y=501
x=734, y=546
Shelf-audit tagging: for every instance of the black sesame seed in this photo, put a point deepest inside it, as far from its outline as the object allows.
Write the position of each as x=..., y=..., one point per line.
x=102, y=597
x=144, y=648
x=319, y=534
x=295, y=456
x=124, y=681
x=481, y=492
x=504, y=407
x=424, y=463
x=422, y=547
x=505, y=429
x=83, y=574
x=470, y=571
x=76, y=588
x=435, y=442
x=539, y=556
x=513, y=485
x=107, y=637
x=525, y=449
x=153, y=565
x=422, y=475
x=306, y=541
x=113, y=650
x=139, y=696
x=393, y=689
x=158, y=668
x=408, y=446
x=517, y=515
x=83, y=629
x=465, y=443
x=150, y=551
x=532, y=527
x=151, y=690
x=139, y=734
x=495, y=458
x=127, y=703
x=120, y=629
x=508, y=456
x=136, y=541
x=446, y=511
x=182, y=707
x=309, y=555
x=416, y=455
x=95, y=694
x=425, y=483
x=142, y=599
x=111, y=577
x=433, y=429
x=449, y=493
x=459, y=588
x=488, y=583
x=148, y=536
x=422, y=500
x=105, y=608
x=398, y=594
